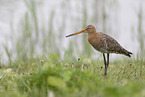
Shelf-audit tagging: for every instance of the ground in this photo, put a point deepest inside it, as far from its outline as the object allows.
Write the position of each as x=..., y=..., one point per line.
x=77, y=78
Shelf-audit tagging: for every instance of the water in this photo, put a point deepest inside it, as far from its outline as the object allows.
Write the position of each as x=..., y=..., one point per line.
x=123, y=19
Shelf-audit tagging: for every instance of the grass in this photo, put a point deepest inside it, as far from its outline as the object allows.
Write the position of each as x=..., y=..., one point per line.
x=27, y=75
x=44, y=77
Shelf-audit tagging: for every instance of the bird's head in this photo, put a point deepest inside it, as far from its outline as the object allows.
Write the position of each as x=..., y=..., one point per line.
x=88, y=29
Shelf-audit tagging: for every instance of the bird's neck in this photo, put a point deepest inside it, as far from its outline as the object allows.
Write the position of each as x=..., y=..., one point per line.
x=94, y=39
x=93, y=34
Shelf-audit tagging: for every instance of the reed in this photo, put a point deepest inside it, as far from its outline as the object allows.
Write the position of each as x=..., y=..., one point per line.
x=141, y=35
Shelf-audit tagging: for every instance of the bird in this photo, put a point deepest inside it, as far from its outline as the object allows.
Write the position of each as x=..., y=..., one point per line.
x=103, y=43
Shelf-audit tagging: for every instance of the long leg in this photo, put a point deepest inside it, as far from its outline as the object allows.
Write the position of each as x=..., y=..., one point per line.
x=105, y=65
x=107, y=60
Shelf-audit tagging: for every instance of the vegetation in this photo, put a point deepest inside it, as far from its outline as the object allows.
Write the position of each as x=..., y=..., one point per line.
x=78, y=78
x=38, y=66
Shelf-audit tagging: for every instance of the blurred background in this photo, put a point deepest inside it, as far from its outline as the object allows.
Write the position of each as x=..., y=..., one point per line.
x=34, y=28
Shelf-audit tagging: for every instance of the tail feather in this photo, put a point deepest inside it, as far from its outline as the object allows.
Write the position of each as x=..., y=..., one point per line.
x=129, y=54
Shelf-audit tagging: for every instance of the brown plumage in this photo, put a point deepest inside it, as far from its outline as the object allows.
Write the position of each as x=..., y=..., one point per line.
x=103, y=43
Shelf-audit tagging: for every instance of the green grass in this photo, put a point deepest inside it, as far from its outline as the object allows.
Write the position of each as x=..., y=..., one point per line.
x=77, y=78
x=49, y=75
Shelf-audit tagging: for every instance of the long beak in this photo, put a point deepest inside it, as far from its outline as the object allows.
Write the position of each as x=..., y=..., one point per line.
x=76, y=33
